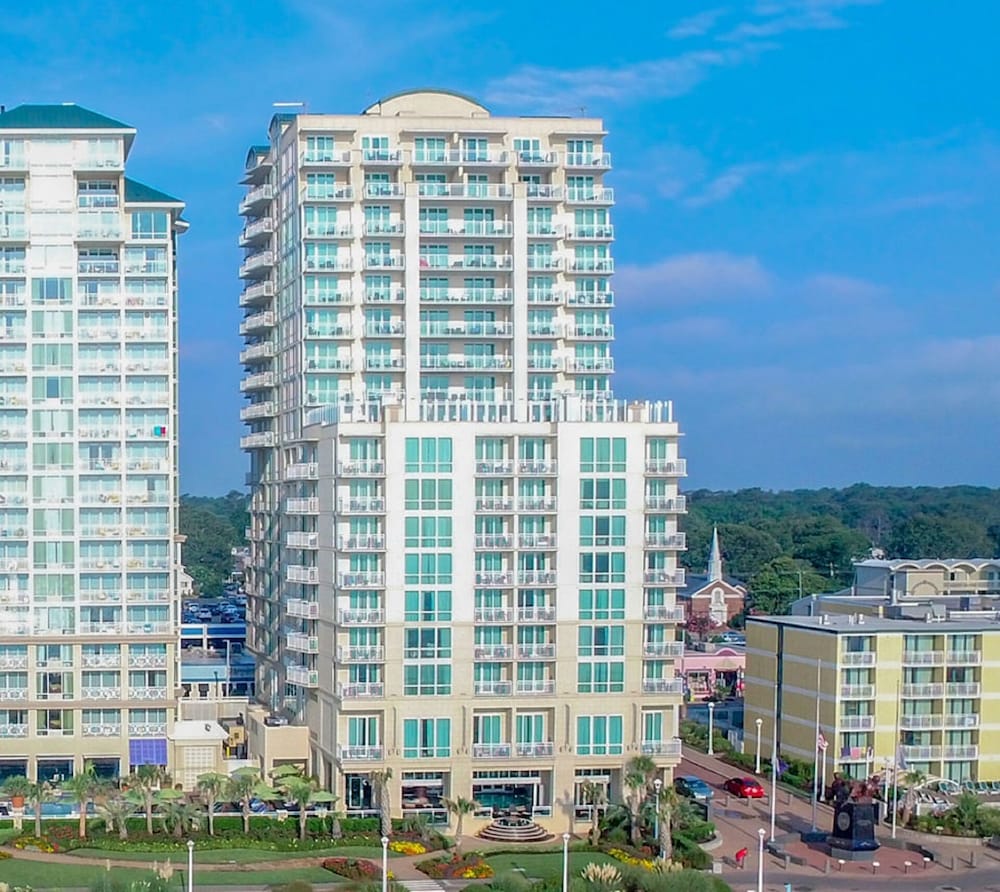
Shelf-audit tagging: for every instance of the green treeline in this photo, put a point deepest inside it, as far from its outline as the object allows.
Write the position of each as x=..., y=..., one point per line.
x=214, y=525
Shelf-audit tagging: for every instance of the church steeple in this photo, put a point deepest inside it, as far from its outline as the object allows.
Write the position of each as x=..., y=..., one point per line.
x=715, y=557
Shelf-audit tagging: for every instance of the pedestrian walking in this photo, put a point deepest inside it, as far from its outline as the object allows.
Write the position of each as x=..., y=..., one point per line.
x=741, y=857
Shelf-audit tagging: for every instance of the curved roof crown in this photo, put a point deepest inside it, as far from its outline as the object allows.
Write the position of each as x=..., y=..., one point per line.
x=429, y=101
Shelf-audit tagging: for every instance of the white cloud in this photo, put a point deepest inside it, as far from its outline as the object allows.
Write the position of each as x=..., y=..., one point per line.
x=697, y=25
x=693, y=278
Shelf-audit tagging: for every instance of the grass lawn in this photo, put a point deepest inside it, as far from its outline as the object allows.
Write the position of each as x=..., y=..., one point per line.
x=41, y=875
x=540, y=865
x=241, y=856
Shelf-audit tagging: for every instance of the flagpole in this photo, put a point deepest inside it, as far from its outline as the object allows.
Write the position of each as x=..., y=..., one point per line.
x=774, y=756
x=895, y=764
x=815, y=796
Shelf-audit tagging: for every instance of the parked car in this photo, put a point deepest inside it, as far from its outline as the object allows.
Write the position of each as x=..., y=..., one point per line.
x=744, y=787
x=693, y=787
x=733, y=638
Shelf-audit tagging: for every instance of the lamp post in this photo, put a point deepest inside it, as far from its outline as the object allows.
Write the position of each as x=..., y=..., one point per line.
x=761, y=835
x=711, y=728
x=758, y=722
x=190, y=865
x=565, y=884
x=385, y=863
x=657, y=786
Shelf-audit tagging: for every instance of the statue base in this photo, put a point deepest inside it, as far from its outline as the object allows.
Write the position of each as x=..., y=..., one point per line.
x=853, y=837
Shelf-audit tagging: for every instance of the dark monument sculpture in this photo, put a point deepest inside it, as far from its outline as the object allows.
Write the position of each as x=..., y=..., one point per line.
x=854, y=818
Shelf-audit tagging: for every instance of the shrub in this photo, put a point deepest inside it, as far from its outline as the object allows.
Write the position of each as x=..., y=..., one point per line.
x=469, y=867
x=690, y=854
x=353, y=868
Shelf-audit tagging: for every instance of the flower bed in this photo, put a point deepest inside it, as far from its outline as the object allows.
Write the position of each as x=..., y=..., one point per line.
x=407, y=847
x=632, y=860
x=468, y=867
x=353, y=868
x=35, y=842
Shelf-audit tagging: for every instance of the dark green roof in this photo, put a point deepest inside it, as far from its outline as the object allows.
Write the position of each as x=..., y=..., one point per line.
x=68, y=116
x=140, y=193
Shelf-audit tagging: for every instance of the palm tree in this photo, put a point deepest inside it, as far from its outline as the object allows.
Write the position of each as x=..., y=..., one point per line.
x=82, y=787
x=146, y=780
x=595, y=796
x=211, y=786
x=116, y=810
x=914, y=780
x=37, y=796
x=380, y=780
x=459, y=807
x=668, y=809
x=639, y=770
x=243, y=784
x=177, y=813
x=17, y=786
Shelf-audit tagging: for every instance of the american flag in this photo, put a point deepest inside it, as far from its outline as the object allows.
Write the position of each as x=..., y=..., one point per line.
x=821, y=743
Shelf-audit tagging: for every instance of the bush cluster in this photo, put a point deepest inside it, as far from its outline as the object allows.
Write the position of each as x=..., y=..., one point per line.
x=458, y=867
x=353, y=868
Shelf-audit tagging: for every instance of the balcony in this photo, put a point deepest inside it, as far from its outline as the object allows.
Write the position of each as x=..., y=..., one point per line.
x=258, y=231
x=542, y=541
x=491, y=191
x=491, y=750
x=384, y=227
x=147, y=661
x=591, y=233
x=373, y=505
x=668, y=504
x=857, y=658
x=99, y=730
x=961, y=720
x=257, y=322
x=857, y=691
x=588, y=160
x=329, y=193
x=589, y=195
x=532, y=158
x=302, y=506
x=257, y=410
x=857, y=723
x=501, y=541
x=537, y=651
x=330, y=231
x=920, y=722
x=962, y=689
x=488, y=504
x=101, y=693
x=303, y=574
x=361, y=654
x=664, y=577
x=591, y=299
x=664, y=613
x=302, y=540
x=536, y=577
x=302, y=471
x=12, y=730
x=361, y=543
x=543, y=192
x=493, y=652
x=673, y=649
x=17, y=662
x=257, y=352
x=385, y=362
x=671, y=748
x=666, y=467
x=446, y=262
x=361, y=579
x=667, y=541
x=302, y=643
x=256, y=199
x=968, y=751
x=965, y=657
x=590, y=365
x=302, y=609
x=466, y=295
x=146, y=692
x=493, y=615
x=391, y=329
x=544, y=504
x=326, y=158
x=372, y=690
x=538, y=614
x=465, y=228
x=541, y=749
x=501, y=688
x=147, y=729
x=663, y=686
x=258, y=293
x=920, y=753
x=460, y=329
x=494, y=577
x=302, y=677
x=359, y=753
x=8, y=694
x=601, y=266
x=921, y=691
x=100, y=628
x=357, y=617
x=923, y=658
x=501, y=468
x=260, y=381
x=537, y=687
x=263, y=440
x=385, y=261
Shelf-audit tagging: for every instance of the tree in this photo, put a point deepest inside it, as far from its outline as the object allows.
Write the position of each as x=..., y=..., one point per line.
x=459, y=807
x=595, y=796
x=928, y=535
x=699, y=625
x=211, y=786
x=380, y=781
x=37, y=796
x=780, y=582
x=177, y=813
x=913, y=780
x=82, y=787
x=17, y=786
x=213, y=527
x=668, y=806
x=243, y=787
x=639, y=771
x=116, y=810
x=145, y=781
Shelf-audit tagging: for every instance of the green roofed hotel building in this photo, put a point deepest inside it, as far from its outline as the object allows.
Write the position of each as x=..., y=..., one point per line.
x=463, y=545
x=88, y=448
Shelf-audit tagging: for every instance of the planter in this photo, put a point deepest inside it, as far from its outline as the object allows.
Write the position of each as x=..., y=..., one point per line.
x=17, y=801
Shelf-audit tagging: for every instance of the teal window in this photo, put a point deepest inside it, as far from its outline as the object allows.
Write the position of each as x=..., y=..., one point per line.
x=426, y=738
x=149, y=225
x=321, y=185
x=652, y=727
x=487, y=729
x=599, y=735
x=602, y=566
x=428, y=495
x=362, y=730
x=319, y=148
x=427, y=569
x=601, y=641
x=602, y=531
x=52, y=290
x=428, y=532
x=427, y=643
x=428, y=606
x=602, y=493
x=602, y=677
x=602, y=603
x=428, y=455
x=427, y=680
x=602, y=454
x=530, y=728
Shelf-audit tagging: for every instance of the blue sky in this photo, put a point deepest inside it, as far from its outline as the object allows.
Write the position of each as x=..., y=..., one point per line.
x=808, y=201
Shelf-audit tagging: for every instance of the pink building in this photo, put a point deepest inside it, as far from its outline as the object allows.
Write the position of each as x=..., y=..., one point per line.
x=703, y=670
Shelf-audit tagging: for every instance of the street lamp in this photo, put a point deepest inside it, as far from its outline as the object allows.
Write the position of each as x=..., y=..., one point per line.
x=711, y=725
x=190, y=865
x=385, y=863
x=761, y=834
x=657, y=786
x=758, y=722
x=565, y=885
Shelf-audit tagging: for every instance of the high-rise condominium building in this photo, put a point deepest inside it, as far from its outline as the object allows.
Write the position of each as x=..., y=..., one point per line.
x=88, y=448
x=464, y=549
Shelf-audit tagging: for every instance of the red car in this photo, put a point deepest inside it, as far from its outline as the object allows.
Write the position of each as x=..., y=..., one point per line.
x=744, y=787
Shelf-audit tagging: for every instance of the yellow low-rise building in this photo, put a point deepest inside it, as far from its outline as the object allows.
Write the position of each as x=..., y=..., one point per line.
x=925, y=692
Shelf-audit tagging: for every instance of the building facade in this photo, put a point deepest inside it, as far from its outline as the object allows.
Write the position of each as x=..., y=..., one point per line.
x=88, y=457
x=428, y=364
x=922, y=692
